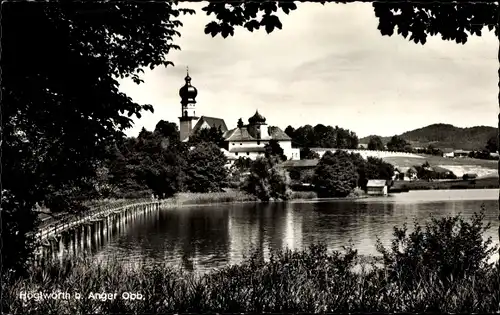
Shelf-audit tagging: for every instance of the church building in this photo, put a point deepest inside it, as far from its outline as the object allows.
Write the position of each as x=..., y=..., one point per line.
x=243, y=141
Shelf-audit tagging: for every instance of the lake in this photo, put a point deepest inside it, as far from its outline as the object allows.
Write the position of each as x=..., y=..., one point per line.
x=205, y=237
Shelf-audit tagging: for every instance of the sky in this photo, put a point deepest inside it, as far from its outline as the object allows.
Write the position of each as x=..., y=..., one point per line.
x=329, y=65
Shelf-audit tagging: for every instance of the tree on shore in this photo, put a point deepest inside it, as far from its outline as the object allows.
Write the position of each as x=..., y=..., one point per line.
x=273, y=149
x=240, y=123
x=290, y=131
x=205, y=168
x=375, y=143
x=267, y=180
x=63, y=105
x=213, y=134
x=335, y=175
x=308, y=154
x=492, y=144
x=236, y=172
x=324, y=137
x=152, y=163
x=398, y=144
x=377, y=168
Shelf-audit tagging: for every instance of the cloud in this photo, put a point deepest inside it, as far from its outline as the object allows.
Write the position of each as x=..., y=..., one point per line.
x=328, y=65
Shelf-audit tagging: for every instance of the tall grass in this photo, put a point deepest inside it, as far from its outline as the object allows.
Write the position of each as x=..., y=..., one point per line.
x=440, y=268
x=303, y=195
x=206, y=198
x=223, y=197
x=307, y=281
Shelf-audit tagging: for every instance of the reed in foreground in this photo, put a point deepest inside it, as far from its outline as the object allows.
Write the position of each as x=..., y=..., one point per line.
x=414, y=275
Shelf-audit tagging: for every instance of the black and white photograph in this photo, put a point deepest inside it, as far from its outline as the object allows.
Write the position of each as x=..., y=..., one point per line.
x=250, y=157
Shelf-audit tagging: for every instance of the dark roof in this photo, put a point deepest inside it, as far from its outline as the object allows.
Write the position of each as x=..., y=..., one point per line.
x=238, y=134
x=242, y=134
x=278, y=134
x=188, y=92
x=211, y=121
x=300, y=163
x=257, y=118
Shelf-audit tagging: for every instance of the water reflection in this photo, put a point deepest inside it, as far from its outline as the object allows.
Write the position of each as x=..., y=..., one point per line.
x=206, y=237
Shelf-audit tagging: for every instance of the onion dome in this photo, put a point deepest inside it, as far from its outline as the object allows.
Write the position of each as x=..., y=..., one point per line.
x=188, y=92
x=257, y=119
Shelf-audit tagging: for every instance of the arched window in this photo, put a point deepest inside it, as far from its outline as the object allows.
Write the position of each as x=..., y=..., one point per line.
x=185, y=113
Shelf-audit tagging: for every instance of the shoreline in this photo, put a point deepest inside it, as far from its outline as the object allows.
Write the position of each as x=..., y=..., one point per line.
x=302, y=196
x=218, y=198
x=481, y=183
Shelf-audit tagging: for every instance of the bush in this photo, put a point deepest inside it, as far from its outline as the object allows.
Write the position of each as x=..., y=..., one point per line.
x=303, y=195
x=335, y=176
x=217, y=197
x=267, y=180
x=357, y=192
x=206, y=171
x=448, y=249
x=137, y=194
x=237, y=172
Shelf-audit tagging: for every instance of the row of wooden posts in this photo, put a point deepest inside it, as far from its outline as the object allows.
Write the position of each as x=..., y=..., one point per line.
x=95, y=224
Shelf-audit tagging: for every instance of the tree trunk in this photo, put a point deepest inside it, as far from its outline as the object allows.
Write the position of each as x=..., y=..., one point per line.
x=498, y=150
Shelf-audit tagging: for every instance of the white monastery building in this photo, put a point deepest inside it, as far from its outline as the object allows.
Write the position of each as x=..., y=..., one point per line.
x=243, y=141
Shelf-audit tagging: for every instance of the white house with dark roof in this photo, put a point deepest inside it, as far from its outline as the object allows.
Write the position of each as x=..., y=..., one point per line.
x=249, y=140
x=245, y=141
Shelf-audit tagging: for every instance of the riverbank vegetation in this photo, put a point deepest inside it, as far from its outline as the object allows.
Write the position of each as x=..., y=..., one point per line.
x=413, y=274
x=482, y=183
x=340, y=174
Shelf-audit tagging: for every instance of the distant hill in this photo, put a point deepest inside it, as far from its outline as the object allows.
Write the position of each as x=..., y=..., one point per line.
x=446, y=136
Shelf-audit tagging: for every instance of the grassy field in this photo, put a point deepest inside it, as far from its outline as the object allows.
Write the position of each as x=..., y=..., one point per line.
x=439, y=160
x=483, y=183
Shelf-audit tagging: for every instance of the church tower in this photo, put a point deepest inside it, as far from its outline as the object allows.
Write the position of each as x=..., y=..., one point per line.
x=257, y=127
x=188, y=108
